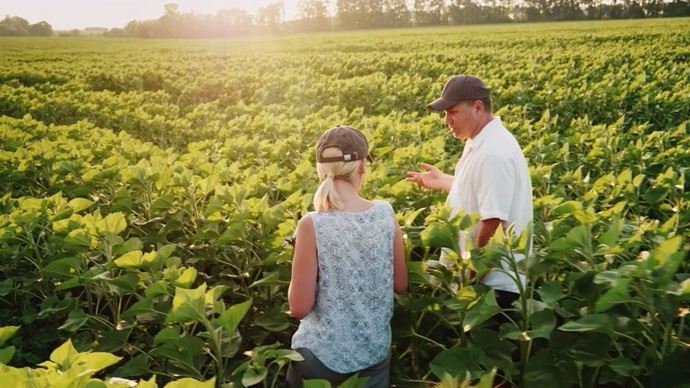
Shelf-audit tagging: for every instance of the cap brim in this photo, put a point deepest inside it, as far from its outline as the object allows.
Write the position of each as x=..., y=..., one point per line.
x=441, y=104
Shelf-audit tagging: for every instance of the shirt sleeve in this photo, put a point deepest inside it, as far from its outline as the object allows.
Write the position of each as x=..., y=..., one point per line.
x=495, y=184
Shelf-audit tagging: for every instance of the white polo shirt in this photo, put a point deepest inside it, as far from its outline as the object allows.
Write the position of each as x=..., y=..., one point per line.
x=492, y=179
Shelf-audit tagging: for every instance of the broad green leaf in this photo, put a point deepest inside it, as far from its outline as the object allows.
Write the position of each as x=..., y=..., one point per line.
x=150, y=383
x=148, y=259
x=6, y=287
x=112, y=224
x=543, y=323
x=214, y=294
x=663, y=252
x=683, y=289
x=143, y=306
x=254, y=374
x=166, y=250
x=567, y=208
x=96, y=361
x=457, y=362
x=580, y=235
x=481, y=311
x=234, y=232
x=76, y=319
x=512, y=332
x=78, y=237
x=637, y=181
x=270, y=279
x=289, y=354
x=354, y=382
x=533, y=306
x=624, y=366
x=439, y=235
x=79, y=204
x=132, y=244
x=187, y=277
x=158, y=288
x=497, y=350
x=6, y=332
x=656, y=195
x=114, y=339
x=124, y=284
x=316, y=384
x=92, y=383
x=188, y=305
x=137, y=366
x=273, y=320
x=487, y=380
x=591, y=322
x=63, y=268
x=232, y=316
x=64, y=226
x=624, y=177
x=615, y=295
x=155, y=260
x=167, y=334
x=670, y=224
x=64, y=355
x=6, y=355
x=612, y=234
x=448, y=381
x=184, y=353
x=589, y=348
x=129, y=260
x=550, y=292
x=119, y=382
x=544, y=369
x=526, y=241
x=610, y=278
x=162, y=203
x=28, y=203
x=191, y=383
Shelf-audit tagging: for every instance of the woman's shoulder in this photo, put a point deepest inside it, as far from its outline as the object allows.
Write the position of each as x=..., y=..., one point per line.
x=306, y=222
x=381, y=203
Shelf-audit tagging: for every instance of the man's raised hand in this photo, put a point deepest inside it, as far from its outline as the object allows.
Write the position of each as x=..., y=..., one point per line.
x=432, y=178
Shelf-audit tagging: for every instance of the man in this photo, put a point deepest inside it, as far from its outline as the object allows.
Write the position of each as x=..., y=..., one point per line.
x=491, y=178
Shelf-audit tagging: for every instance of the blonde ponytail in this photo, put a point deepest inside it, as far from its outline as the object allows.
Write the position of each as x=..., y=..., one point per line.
x=326, y=197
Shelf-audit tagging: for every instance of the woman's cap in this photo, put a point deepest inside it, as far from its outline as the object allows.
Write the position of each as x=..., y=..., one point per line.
x=458, y=89
x=350, y=141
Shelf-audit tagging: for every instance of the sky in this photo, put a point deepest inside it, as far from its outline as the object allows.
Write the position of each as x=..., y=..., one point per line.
x=69, y=14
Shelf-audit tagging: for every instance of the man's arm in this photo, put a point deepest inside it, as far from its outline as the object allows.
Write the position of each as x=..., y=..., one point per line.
x=486, y=230
x=433, y=178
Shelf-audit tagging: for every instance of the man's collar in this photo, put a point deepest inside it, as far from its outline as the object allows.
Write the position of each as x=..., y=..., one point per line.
x=484, y=133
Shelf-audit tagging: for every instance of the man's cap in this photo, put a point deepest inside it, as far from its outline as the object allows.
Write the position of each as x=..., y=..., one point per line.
x=460, y=88
x=350, y=141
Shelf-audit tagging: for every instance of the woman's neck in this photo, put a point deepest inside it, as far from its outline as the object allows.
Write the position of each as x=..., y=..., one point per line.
x=349, y=196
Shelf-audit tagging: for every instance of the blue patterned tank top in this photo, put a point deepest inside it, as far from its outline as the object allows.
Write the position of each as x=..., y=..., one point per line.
x=348, y=328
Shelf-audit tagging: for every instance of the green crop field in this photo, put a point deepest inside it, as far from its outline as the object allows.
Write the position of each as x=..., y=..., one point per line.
x=147, y=188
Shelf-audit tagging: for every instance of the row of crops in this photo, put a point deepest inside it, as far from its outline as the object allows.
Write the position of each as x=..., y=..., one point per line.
x=148, y=189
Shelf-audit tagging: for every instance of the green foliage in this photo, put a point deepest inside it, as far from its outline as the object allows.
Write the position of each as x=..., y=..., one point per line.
x=146, y=203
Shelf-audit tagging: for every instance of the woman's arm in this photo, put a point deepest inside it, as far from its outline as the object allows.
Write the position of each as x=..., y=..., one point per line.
x=399, y=266
x=302, y=291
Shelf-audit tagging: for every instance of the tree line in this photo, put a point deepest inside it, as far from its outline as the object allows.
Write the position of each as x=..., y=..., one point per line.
x=17, y=26
x=319, y=15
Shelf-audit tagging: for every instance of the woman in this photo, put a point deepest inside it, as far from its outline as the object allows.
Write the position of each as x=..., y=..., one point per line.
x=348, y=260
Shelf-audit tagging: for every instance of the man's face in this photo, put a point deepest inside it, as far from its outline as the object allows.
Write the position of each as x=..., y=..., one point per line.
x=462, y=119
